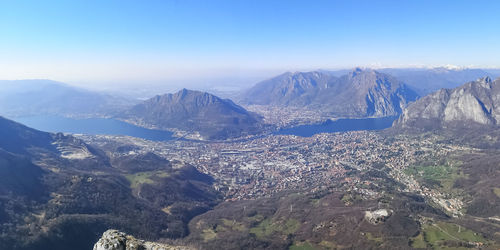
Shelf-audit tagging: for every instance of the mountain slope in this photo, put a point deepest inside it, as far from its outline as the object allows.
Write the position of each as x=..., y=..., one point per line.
x=194, y=111
x=17, y=138
x=18, y=176
x=360, y=93
x=45, y=97
x=366, y=93
x=57, y=192
x=474, y=103
x=288, y=89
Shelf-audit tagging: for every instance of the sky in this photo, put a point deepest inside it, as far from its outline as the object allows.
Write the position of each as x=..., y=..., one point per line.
x=107, y=41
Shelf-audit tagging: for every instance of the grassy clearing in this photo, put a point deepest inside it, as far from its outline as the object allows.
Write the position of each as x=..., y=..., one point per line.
x=349, y=199
x=302, y=246
x=419, y=241
x=268, y=227
x=452, y=231
x=315, y=202
x=208, y=234
x=442, y=176
x=496, y=191
x=144, y=178
x=255, y=218
x=371, y=237
x=291, y=226
x=233, y=225
x=139, y=178
x=435, y=235
x=329, y=245
x=265, y=228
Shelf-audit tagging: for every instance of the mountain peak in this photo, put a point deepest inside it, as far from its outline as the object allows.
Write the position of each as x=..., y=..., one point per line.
x=195, y=112
x=186, y=92
x=486, y=79
x=484, y=82
x=359, y=71
x=302, y=74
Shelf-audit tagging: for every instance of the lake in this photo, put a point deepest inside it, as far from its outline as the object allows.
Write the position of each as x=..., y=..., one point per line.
x=107, y=126
x=92, y=126
x=340, y=125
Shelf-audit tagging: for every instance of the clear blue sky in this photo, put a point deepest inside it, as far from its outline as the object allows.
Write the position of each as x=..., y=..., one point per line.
x=105, y=40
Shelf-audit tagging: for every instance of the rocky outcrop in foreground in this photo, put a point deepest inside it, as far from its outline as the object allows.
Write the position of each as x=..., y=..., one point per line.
x=116, y=240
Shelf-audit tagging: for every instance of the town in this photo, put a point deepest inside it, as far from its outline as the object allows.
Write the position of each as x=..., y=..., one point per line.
x=261, y=167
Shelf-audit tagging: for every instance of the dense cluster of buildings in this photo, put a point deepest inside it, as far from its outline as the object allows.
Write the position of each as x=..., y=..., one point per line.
x=260, y=167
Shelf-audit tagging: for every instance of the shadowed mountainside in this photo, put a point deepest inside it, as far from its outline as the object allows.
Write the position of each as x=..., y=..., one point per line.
x=56, y=191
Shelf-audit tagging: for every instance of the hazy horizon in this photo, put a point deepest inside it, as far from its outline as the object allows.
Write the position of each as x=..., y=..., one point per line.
x=227, y=86
x=114, y=43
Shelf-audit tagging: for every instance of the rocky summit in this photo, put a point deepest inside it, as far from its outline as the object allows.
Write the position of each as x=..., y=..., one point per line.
x=472, y=104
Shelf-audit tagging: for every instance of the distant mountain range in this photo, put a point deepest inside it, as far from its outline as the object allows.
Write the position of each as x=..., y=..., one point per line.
x=46, y=97
x=194, y=112
x=354, y=93
x=474, y=103
x=359, y=93
x=427, y=80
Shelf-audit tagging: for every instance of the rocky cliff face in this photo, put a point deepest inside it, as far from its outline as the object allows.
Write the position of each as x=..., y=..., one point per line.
x=367, y=93
x=116, y=240
x=475, y=102
x=359, y=93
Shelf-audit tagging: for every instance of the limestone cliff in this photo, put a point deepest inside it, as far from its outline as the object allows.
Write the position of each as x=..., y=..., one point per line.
x=474, y=103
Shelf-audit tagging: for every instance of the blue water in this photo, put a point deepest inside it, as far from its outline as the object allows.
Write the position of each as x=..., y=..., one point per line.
x=106, y=126
x=340, y=125
x=92, y=126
